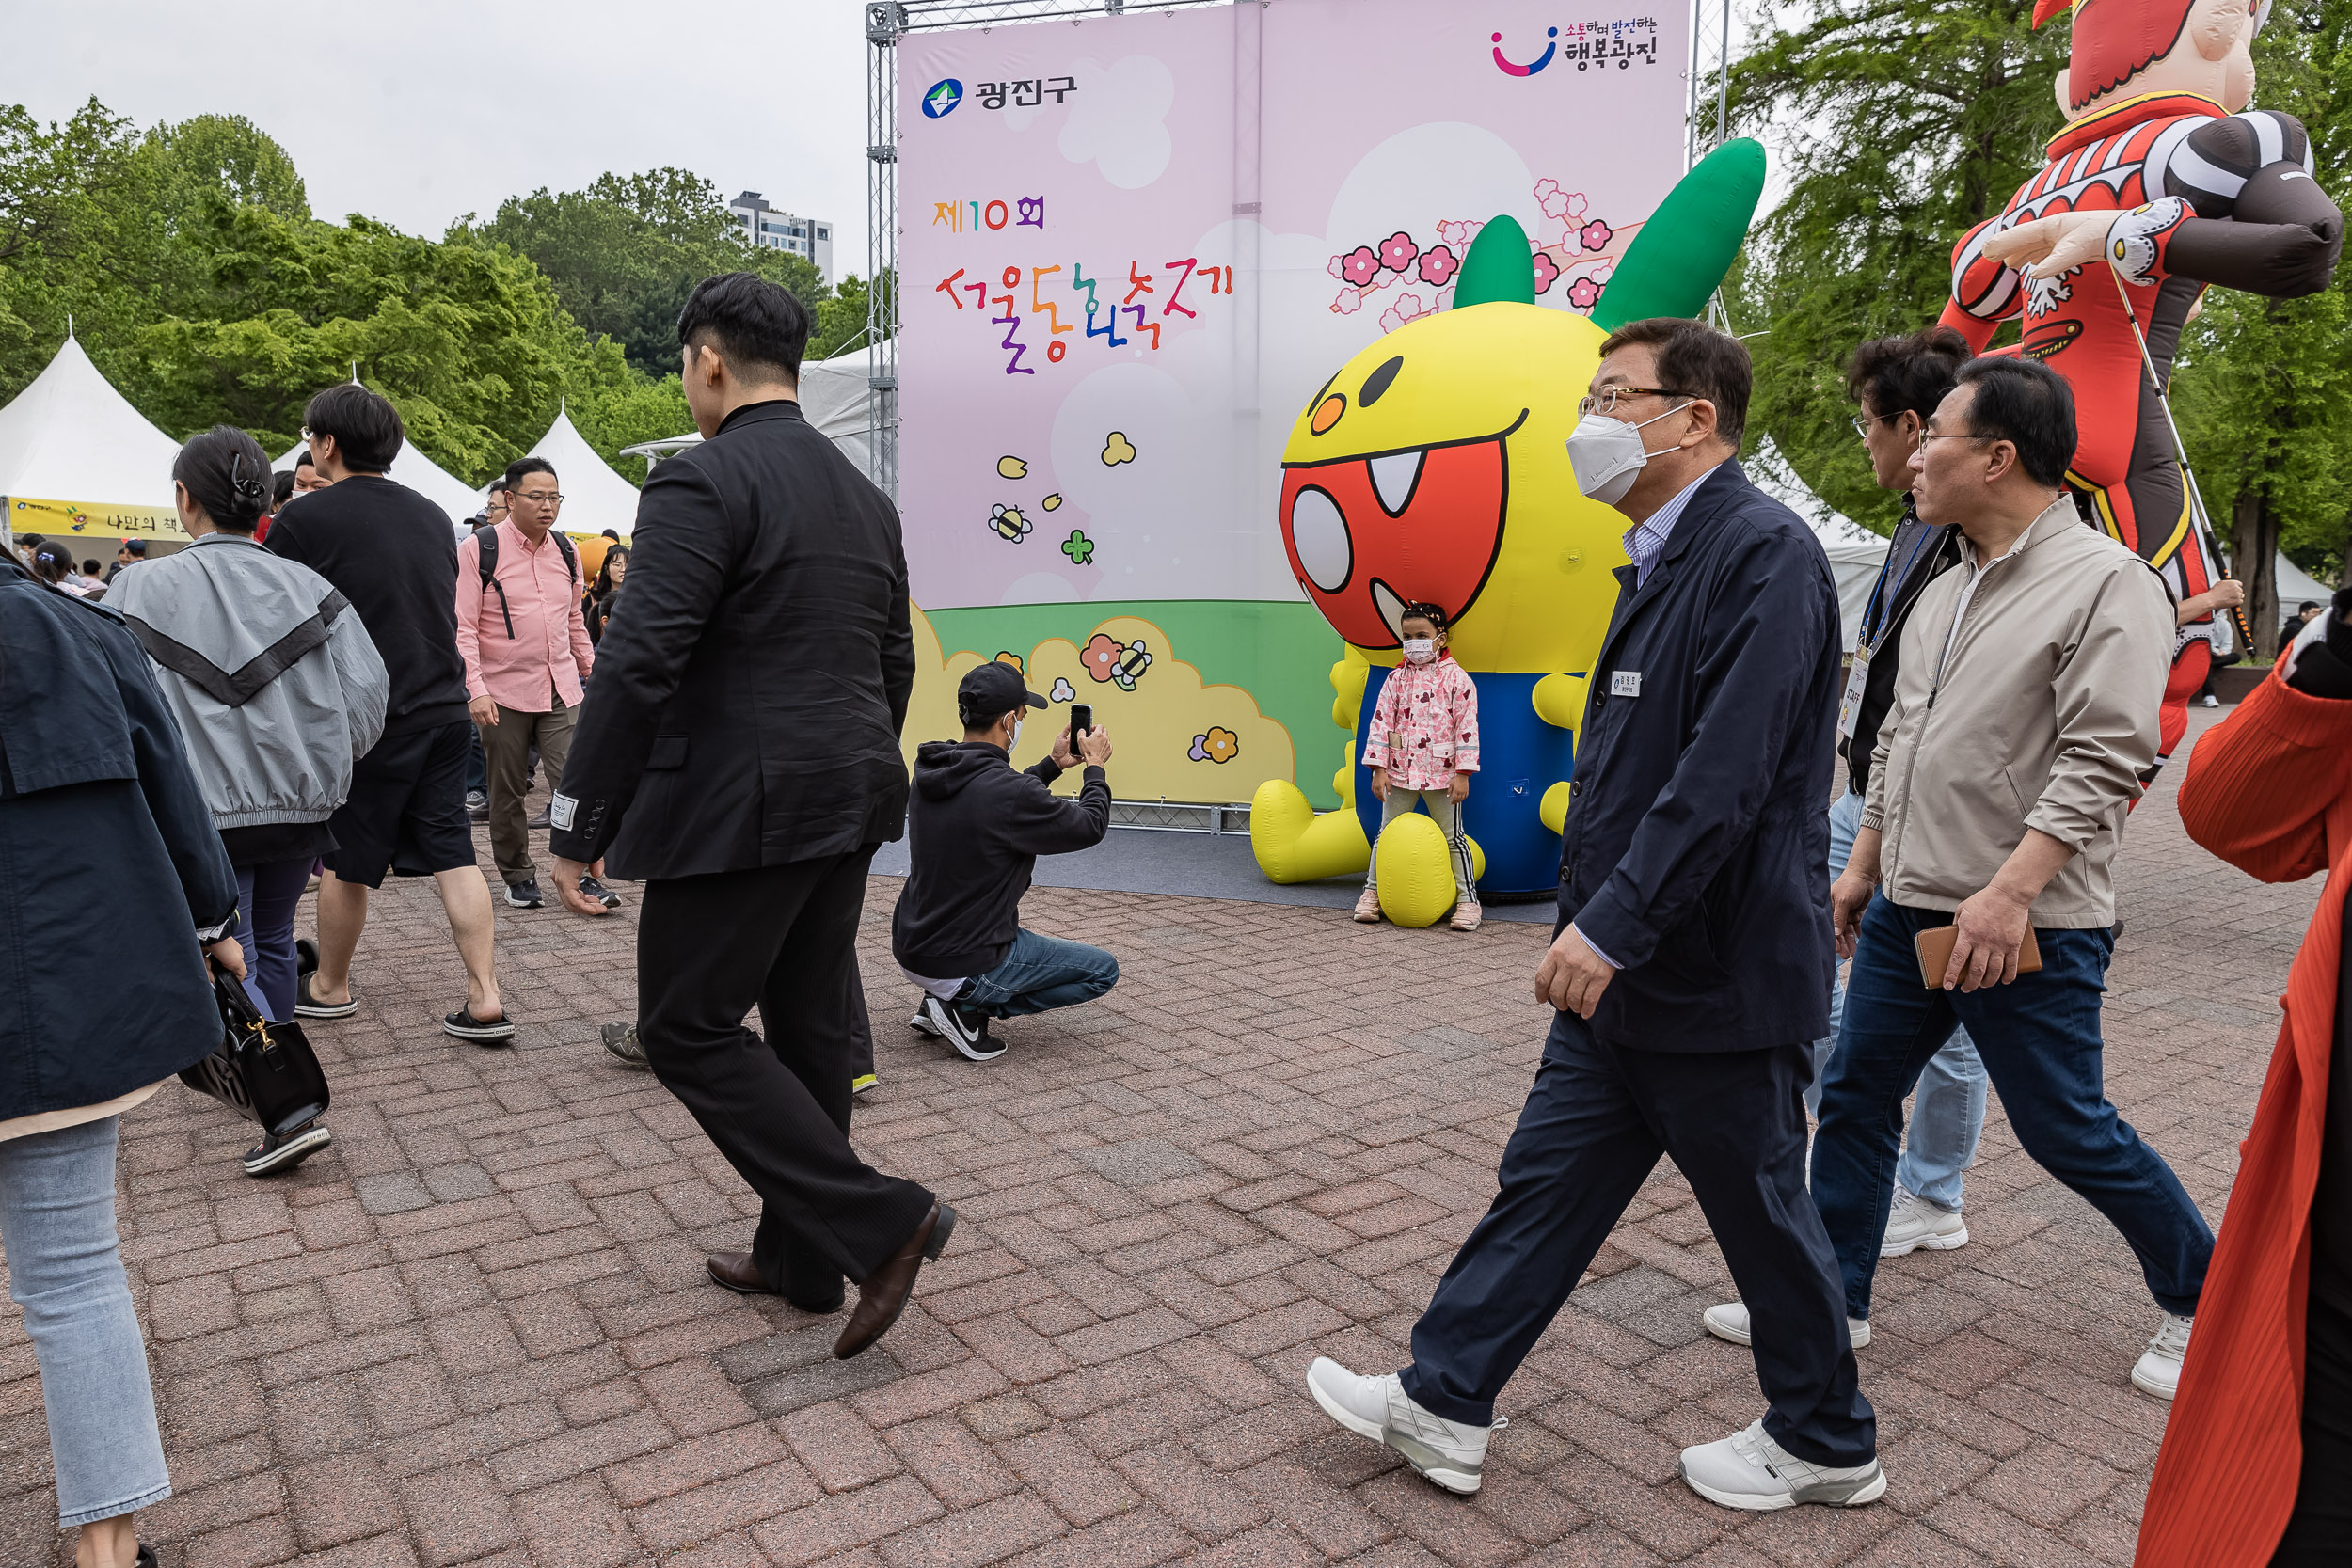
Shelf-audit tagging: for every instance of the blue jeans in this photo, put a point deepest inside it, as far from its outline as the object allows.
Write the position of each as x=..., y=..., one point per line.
x=266, y=896
x=58, y=1230
x=2039, y=1036
x=1042, y=973
x=1947, y=1115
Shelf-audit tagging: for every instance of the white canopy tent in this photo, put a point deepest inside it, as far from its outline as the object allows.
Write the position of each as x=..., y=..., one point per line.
x=595, y=497
x=76, y=460
x=835, y=399
x=426, y=478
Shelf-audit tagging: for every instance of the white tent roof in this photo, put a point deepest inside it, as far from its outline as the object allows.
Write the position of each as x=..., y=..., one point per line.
x=70, y=436
x=595, y=497
x=426, y=478
x=2296, y=587
x=836, y=399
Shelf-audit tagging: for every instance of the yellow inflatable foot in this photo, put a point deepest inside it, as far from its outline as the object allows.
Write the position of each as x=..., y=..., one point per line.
x=1294, y=845
x=1415, y=871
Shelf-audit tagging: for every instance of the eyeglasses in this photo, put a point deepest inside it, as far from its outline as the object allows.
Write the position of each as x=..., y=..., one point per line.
x=1605, y=401
x=1862, y=425
x=1926, y=436
x=539, y=498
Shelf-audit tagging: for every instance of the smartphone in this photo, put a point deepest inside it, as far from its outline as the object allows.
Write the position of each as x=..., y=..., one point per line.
x=1081, y=720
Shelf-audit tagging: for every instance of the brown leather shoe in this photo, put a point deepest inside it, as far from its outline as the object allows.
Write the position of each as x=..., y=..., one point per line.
x=882, y=1294
x=736, y=1271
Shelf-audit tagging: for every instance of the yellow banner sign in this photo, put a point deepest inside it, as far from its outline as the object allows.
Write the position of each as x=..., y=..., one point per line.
x=54, y=518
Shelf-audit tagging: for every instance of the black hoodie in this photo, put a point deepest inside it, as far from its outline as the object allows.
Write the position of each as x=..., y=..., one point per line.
x=974, y=833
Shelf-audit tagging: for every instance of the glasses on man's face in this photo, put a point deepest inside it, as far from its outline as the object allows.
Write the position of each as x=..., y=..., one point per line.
x=1605, y=400
x=1862, y=423
x=1926, y=436
x=539, y=498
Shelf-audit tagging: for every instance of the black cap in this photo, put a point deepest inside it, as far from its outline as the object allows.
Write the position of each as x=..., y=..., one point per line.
x=993, y=689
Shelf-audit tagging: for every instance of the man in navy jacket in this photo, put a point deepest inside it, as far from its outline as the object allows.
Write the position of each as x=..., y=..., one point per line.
x=1691, y=965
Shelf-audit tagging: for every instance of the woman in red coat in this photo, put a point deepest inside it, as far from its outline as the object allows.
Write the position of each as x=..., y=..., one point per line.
x=2257, y=1460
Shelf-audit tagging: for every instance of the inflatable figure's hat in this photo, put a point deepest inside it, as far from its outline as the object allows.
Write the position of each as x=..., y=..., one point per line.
x=2116, y=39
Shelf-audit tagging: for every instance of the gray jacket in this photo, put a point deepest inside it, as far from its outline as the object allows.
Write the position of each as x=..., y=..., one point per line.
x=276, y=687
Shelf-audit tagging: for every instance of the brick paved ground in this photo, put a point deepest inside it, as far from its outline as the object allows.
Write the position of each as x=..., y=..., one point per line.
x=478, y=1330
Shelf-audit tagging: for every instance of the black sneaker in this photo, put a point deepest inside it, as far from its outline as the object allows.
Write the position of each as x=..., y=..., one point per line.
x=463, y=1026
x=524, y=894
x=273, y=1154
x=621, y=1039
x=477, y=806
x=308, y=1005
x=965, y=1027
x=539, y=819
x=921, y=1022
x=591, y=888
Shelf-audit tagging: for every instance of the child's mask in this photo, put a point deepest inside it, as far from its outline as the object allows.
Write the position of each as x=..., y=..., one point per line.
x=1420, y=650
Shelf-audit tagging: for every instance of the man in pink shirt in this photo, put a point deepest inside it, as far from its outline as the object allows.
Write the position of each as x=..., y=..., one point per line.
x=527, y=660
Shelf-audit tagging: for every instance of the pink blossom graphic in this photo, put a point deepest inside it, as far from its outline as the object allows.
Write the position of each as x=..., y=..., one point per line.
x=1349, y=303
x=1334, y=267
x=1547, y=271
x=1594, y=235
x=1459, y=234
x=1551, y=199
x=1408, y=307
x=1397, y=251
x=1583, y=292
x=1359, y=265
x=1436, y=265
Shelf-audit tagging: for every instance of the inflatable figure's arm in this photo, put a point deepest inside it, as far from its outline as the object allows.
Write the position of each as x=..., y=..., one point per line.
x=1985, y=293
x=2239, y=209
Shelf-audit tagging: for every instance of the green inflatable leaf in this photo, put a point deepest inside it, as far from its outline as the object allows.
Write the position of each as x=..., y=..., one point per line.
x=1501, y=267
x=1680, y=256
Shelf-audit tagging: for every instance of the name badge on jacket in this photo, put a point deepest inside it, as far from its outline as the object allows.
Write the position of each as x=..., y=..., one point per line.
x=1625, y=683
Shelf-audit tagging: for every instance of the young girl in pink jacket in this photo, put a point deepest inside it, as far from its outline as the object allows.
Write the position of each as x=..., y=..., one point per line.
x=1422, y=748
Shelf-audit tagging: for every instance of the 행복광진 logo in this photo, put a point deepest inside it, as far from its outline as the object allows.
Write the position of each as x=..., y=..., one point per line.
x=1508, y=69
x=940, y=101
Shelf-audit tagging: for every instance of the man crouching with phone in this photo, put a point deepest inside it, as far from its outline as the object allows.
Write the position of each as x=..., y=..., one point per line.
x=2025, y=720
x=974, y=833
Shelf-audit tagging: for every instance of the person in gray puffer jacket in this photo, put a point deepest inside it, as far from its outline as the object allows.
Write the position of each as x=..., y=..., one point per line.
x=275, y=685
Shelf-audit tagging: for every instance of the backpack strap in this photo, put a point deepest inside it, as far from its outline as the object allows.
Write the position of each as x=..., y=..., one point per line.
x=571, y=556
x=485, y=540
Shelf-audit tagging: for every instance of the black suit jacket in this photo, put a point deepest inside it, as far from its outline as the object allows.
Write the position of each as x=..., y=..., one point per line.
x=1696, y=837
x=748, y=692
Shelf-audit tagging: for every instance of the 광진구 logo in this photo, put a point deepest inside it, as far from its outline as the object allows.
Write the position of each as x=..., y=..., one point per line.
x=940, y=101
x=1541, y=60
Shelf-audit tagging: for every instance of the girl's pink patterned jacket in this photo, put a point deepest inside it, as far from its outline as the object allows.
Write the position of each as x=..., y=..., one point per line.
x=1424, y=728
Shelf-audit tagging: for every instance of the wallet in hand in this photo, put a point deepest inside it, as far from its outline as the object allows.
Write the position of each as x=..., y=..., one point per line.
x=1935, y=953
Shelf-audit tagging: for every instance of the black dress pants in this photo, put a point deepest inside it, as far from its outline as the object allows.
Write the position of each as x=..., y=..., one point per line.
x=2320, y=1529
x=1593, y=1129
x=782, y=938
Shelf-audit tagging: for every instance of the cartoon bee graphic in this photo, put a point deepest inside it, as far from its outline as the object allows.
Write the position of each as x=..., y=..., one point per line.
x=1007, y=523
x=1133, y=660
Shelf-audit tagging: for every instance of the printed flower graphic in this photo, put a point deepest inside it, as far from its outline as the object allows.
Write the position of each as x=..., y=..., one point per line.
x=1459, y=234
x=1594, y=235
x=1359, y=266
x=1436, y=265
x=1220, y=745
x=1062, y=690
x=1583, y=294
x=1349, y=303
x=1547, y=271
x=1078, y=547
x=1333, y=267
x=1397, y=251
x=1101, y=655
x=1408, y=307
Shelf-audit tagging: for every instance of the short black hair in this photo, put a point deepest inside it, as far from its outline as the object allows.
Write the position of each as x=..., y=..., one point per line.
x=366, y=427
x=90, y=569
x=1695, y=361
x=751, y=323
x=521, y=465
x=303, y=459
x=2026, y=404
x=1888, y=376
x=2306, y=607
x=280, y=488
x=227, y=474
x=613, y=534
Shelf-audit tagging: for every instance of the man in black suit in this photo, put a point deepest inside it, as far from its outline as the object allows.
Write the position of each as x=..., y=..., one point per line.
x=1691, y=964
x=738, y=749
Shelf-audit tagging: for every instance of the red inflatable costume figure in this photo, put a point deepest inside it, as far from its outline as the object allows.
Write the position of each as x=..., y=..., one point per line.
x=2164, y=183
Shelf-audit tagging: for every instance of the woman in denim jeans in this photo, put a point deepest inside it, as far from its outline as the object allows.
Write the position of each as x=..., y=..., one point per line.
x=107, y=854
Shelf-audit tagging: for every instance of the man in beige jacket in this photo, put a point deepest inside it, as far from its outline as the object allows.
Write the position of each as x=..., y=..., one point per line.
x=2024, y=717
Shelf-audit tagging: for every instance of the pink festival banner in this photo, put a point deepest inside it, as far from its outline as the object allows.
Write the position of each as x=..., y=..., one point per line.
x=1131, y=249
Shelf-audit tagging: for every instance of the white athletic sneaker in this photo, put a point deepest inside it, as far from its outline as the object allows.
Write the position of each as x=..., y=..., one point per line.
x=1728, y=1319
x=1449, y=1452
x=2159, y=1369
x=1748, y=1471
x=1913, y=1225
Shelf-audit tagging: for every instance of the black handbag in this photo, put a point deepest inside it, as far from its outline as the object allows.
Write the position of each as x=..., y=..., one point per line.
x=266, y=1070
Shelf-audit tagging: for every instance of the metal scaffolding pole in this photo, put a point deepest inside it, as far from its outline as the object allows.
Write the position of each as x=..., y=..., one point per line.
x=1711, y=75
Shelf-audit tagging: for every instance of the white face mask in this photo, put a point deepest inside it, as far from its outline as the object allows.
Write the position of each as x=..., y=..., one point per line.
x=1420, y=650
x=1607, y=454
x=1016, y=735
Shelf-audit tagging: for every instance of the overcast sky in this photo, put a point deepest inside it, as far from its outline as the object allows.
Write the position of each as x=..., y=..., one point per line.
x=418, y=111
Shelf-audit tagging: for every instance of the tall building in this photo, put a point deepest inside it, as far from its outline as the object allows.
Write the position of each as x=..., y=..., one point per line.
x=777, y=229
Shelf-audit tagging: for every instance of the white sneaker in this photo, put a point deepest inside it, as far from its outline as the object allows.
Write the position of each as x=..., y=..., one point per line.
x=1449, y=1452
x=1748, y=1471
x=1728, y=1319
x=1913, y=1225
x=2159, y=1369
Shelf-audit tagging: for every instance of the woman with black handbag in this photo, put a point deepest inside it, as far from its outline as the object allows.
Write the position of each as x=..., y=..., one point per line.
x=278, y=690
x=113, y=886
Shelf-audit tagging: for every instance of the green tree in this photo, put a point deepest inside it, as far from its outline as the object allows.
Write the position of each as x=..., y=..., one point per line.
x=840, y=323
x=1914, y=121
x=625, y=253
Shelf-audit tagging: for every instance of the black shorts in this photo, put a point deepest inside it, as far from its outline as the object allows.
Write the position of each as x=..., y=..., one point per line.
x=407, y=809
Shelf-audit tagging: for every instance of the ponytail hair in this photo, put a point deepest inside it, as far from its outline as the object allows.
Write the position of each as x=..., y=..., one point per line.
x=228, y=474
